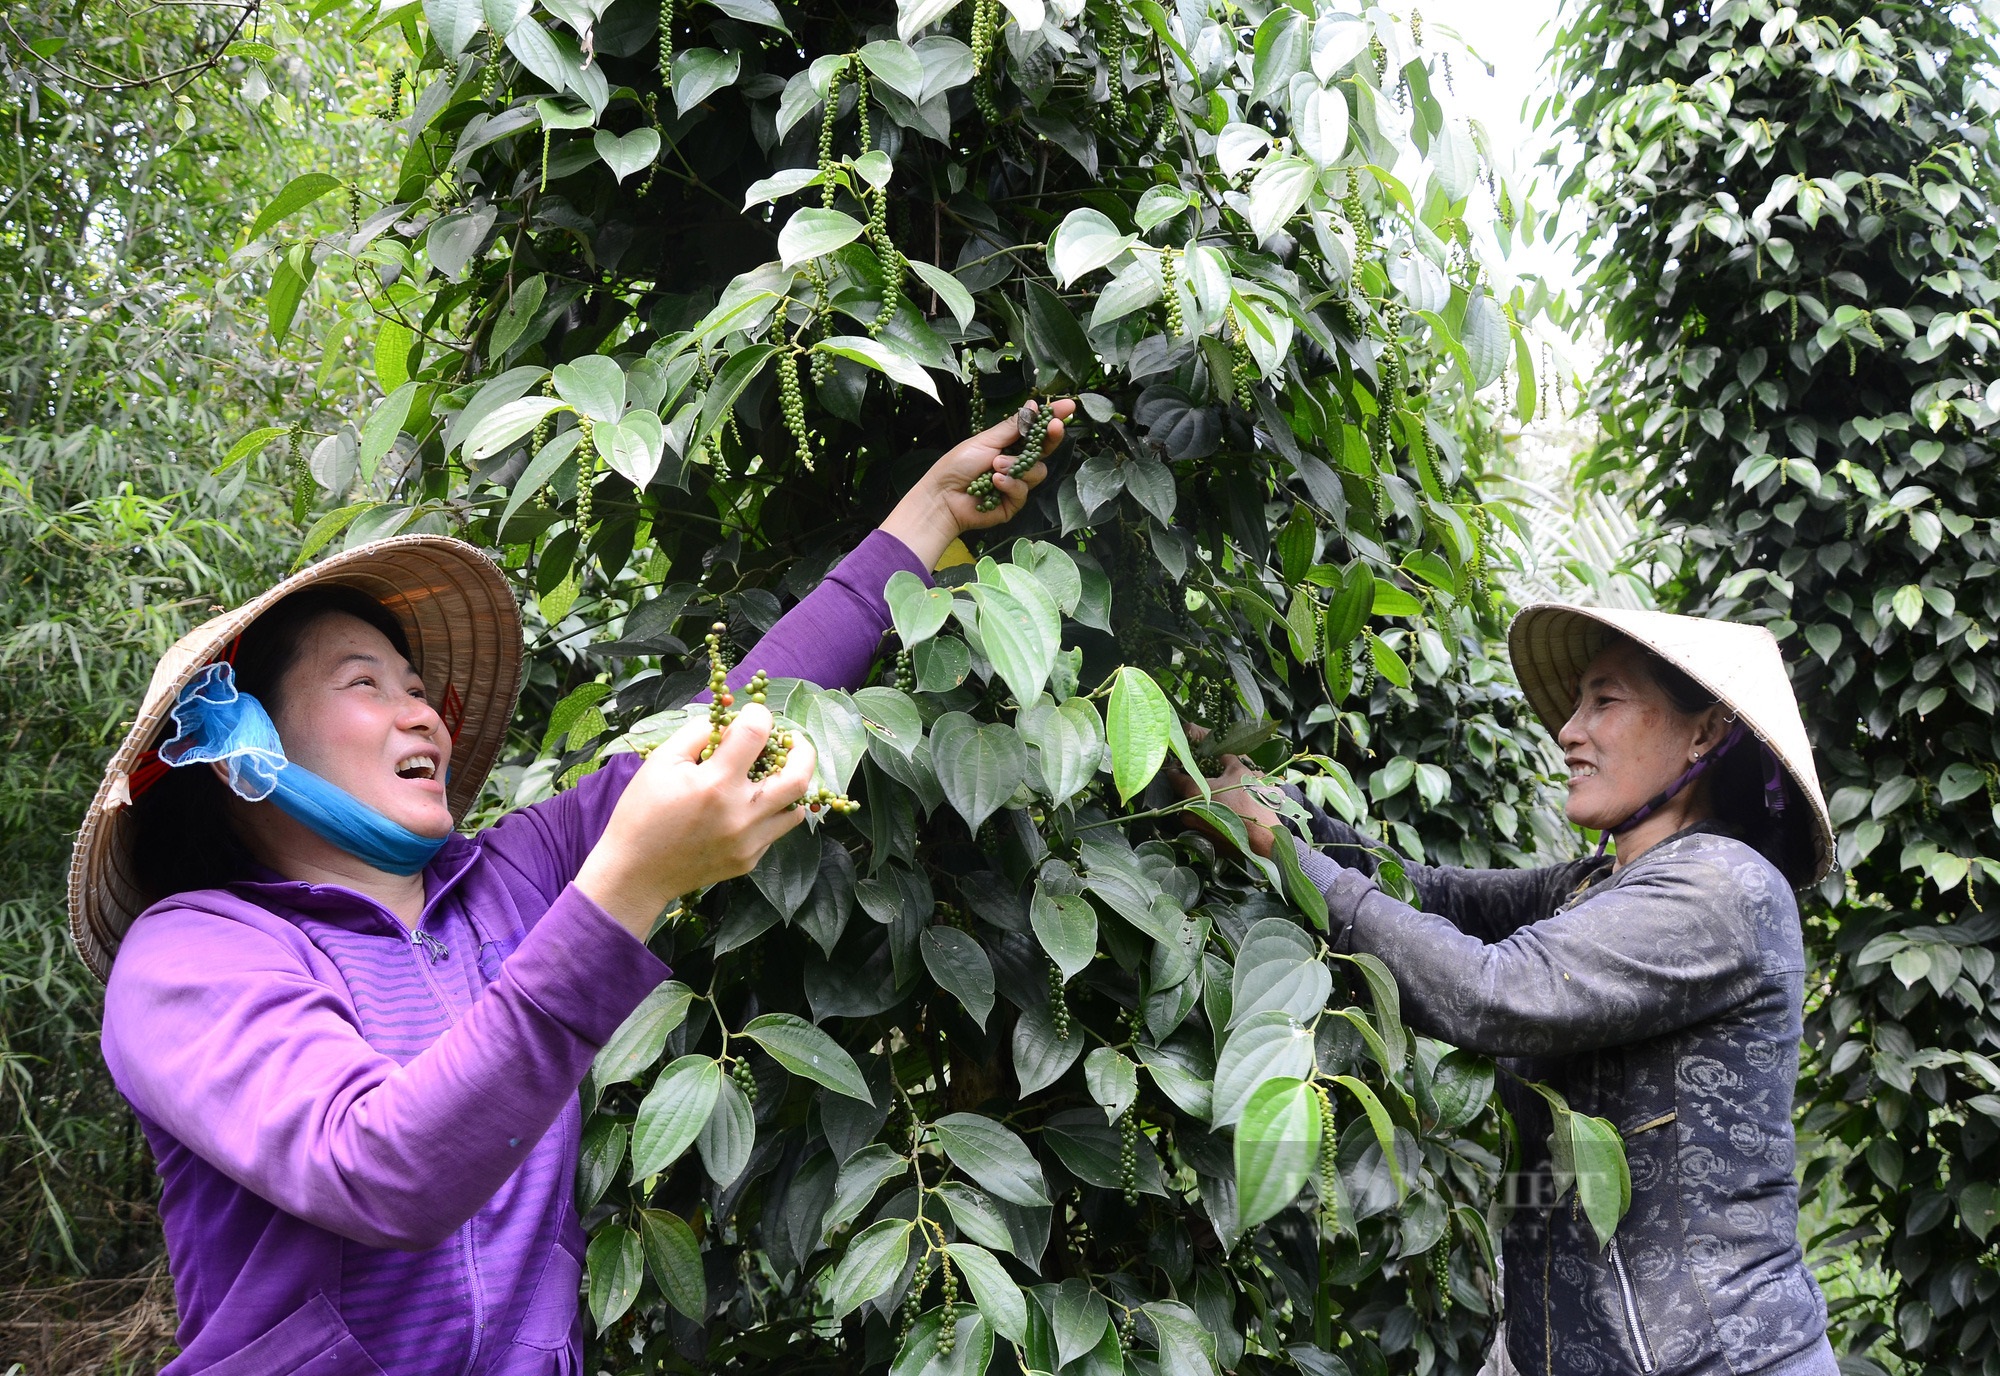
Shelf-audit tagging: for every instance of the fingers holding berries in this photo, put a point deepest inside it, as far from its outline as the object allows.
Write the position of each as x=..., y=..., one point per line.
x=1037, y=431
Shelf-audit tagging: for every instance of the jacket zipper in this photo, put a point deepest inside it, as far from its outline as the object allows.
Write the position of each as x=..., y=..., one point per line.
x=429, y=944
x=428, y=951
x=1630, y=1299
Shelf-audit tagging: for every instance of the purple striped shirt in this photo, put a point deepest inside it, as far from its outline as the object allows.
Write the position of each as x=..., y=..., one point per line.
x=367, y=1138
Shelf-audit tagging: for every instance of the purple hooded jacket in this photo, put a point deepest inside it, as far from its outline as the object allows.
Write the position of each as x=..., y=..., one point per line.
x=367, y=1137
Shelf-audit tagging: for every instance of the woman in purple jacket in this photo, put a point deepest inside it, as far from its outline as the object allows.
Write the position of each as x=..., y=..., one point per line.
x=355, y=1046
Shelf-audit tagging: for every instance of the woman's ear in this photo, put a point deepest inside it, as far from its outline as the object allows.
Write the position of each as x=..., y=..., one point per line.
x=1711, y=729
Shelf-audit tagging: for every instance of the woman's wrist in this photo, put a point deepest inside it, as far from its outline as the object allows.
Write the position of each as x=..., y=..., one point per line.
x=631, y=903
x=924, y=523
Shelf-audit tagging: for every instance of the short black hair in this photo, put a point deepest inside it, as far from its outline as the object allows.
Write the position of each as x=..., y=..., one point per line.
x=1736, y=782
x=182, y=836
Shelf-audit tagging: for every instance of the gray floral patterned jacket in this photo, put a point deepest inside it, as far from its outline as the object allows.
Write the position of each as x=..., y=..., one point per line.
x=1665, y=998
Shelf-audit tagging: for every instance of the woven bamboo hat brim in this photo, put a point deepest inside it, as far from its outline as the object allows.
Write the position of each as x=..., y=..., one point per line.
x=1551, y=644
x=464, y=629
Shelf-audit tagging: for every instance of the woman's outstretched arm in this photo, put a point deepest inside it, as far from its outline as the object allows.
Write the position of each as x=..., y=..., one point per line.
x=1672, y=942
x=829, y=638
x=1485, y=904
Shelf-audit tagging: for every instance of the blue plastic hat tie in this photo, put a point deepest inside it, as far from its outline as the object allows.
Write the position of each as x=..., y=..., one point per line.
x=216, y=723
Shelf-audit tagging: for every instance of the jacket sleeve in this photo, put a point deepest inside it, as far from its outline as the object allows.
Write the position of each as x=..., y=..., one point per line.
x=829, y=638
x=221, y=1033
x=1667, y=946
x=1488, y=904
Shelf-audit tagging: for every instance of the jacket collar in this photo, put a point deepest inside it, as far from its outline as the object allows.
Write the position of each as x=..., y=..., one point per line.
x=336, y=902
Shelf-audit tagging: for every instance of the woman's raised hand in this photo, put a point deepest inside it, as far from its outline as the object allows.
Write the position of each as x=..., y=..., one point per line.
x=684, y=823
x=1240, y=789
x=940, y=507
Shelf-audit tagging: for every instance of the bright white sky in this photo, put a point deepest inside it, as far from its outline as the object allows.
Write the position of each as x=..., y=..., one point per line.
x=1513, y=36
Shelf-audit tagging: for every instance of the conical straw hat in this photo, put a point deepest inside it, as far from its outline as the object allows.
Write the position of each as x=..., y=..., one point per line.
x=1551, y=644
x=464, y=629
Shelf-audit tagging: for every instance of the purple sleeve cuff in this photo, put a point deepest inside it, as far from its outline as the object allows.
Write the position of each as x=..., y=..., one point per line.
x=830, y=637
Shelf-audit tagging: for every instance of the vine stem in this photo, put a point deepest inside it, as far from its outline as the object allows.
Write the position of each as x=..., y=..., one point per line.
x=1172, y=808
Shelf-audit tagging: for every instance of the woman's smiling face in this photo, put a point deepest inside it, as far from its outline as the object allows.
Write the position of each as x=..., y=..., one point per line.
x=1627, y=741
x=352, y=710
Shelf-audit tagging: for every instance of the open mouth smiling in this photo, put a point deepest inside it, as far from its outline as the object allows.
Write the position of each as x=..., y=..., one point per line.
x=417, y=767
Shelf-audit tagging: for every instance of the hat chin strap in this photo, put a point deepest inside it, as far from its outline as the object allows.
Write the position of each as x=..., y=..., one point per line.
x=1774, y=786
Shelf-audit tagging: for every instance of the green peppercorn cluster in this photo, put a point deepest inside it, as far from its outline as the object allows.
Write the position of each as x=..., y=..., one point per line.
x=667, y=44
x=1243, y=368
x=1058, y=1003
x=985, y=496
x=891, y=260
x=722, y=703
x=395, y=111
x=586, y=481
x=652, y=108
x=1176, y=323
x=545, y=428
x=1329, y=1161
x=906, y=672
x=1441, y=1270
x=986, y=21
x=1426, y=459
x=1111, y=46
x=864, y=131
x=777, y=751
x=489, y=70
x=1388, y=396
x=1208, y=702
x=948, y=1316
x=828, y=113
x=1031, y=423
x=1128, y=1330
x=985, y=25
x=913, y=1302
x=1128, y=1155
x=304, y=489
x=793, y=402
x=822, y=364
x=1356, y=211
x=744, y=1079
x=1339, y=658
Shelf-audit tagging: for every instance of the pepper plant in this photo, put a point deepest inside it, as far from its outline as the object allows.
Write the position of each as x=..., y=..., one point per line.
x=1009, y=1064
x=1793, y=231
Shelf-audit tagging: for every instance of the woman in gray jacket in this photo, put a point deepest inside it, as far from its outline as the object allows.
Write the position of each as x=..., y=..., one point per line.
x=1660, y=989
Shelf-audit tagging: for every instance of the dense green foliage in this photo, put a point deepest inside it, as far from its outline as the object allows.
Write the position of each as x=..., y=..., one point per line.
x=673, y=348
x=1794, y=242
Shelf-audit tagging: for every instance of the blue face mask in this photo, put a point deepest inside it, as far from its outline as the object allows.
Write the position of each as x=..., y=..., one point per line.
x=216, y=723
